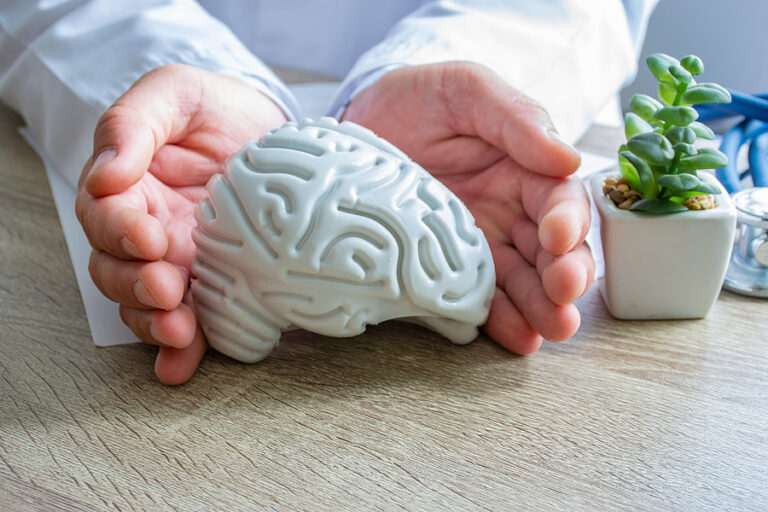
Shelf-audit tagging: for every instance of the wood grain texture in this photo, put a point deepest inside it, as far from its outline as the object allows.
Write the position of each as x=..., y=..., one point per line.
x=625, y=416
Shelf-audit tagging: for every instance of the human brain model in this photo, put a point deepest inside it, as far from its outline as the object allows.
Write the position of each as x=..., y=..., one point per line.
x=330, y=228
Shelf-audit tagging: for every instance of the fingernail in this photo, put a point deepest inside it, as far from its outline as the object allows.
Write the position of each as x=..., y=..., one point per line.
x=102, y=159
x=555, y=136
x=582, y=285
x=130, y=248
x=143, y=296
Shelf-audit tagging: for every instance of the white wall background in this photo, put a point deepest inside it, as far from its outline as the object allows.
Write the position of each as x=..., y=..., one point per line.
x=731, y=37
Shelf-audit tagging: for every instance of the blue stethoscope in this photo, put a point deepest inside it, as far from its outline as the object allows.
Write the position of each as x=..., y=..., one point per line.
x=748, y=270
x=753, y=130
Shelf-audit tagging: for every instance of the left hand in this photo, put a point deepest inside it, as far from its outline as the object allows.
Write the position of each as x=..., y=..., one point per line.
x=154, y=150
x=497, y=150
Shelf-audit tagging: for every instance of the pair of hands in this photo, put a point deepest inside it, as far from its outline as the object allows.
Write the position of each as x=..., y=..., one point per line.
x=157, y=146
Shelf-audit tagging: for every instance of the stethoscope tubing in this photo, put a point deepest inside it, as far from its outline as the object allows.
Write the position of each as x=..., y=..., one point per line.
x=751, y=106
x=744, y=132
x=758, y=163
x=753, y=131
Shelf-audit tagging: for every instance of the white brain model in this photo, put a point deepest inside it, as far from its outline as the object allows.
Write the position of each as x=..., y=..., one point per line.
x=328, y=227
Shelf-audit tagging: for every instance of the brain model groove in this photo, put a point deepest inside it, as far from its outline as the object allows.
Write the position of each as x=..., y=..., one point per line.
x=328, y=227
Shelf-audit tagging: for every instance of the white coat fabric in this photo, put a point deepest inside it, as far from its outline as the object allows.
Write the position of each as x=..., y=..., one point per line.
x=63, y=62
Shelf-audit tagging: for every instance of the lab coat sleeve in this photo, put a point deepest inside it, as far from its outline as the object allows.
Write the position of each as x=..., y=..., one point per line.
x=572, y=56
x=63, y=62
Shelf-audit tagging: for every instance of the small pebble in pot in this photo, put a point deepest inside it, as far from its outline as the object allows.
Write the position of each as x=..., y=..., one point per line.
x=706, y=202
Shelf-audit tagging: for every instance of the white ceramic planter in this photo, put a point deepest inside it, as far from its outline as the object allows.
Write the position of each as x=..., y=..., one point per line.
x=663, y=267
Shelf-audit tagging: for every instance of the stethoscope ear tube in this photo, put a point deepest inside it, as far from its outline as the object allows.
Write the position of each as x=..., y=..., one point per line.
x=758, y=159
x=752, y=132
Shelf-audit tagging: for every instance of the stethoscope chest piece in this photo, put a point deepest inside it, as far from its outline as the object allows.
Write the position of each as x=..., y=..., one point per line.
x=748, y=270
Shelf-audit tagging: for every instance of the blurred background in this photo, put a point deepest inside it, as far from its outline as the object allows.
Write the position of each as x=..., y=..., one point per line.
x=730, y=36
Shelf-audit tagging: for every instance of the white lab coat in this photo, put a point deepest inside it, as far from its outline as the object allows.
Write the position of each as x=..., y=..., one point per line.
x=63, y=62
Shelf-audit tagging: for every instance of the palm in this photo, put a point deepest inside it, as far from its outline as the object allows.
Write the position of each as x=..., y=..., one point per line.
x=506, y=198
x=173, y=207
x=226, y=114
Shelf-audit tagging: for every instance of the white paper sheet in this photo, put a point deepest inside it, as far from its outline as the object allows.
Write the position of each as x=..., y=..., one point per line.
x=590, y=164
x=103, y=318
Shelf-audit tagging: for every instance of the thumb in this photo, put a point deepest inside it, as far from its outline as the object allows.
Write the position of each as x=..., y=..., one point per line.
x=515, y=123
x=127, y=136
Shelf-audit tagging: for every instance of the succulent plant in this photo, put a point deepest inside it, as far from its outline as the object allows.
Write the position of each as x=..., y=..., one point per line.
x=660, y=159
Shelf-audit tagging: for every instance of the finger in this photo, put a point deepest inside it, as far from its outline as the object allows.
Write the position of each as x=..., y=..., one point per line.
x=174, y=328
x=116, y=225
x=463, y=154
x=152, y=112
x=153, y=285
x=178, y=166
x=175, y=366
x=566, y=278
x=524, y=235
x=508, y=119
x=508, y=328
x=560, y=208
x=522, y=284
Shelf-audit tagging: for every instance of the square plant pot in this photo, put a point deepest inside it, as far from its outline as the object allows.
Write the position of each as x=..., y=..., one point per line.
x=663, y=266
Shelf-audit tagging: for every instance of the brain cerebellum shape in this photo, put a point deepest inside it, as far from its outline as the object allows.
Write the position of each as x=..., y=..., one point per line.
x=328, y=227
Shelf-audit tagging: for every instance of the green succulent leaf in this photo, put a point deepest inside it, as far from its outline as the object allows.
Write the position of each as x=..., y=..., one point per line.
x=678, y=116
x=693, y=64
x=634, y=124
x=652, y=147
x=659, y=64
x=706, y=158
x=658, y=206
x=644, y=106
x=629, y=173
x=680, y=197
x=681, y=74
x=659, y=170
x=702, y=131
x=706, y=188
x=681, y=148
x=647, y=180
x=684, y=183
x=706, y=93
x=667, y=92
x=682, y=134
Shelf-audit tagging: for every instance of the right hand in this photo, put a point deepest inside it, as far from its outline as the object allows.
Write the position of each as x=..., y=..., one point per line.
x=497, y=150
x=153, y=152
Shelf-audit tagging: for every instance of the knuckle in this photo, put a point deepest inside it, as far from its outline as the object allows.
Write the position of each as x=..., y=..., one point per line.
x=172, y=69
x=84, y=174
x=125, y=314
x=95, y=264
x=83, y=212
x=464, y=77
x=81, y=208
x=139, y=322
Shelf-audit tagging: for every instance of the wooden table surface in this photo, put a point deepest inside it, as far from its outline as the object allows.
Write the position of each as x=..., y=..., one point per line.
x=655, y=415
